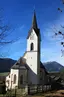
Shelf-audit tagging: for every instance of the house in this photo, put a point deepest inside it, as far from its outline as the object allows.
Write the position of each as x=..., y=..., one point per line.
x=57, y=81
x=29, y=69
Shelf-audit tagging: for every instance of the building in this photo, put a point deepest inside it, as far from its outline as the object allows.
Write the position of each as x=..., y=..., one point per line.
x=29, y=69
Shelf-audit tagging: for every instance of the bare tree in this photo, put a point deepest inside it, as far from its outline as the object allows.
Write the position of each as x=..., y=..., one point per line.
x=58, y=32
x=5, y=31
x=60, y=9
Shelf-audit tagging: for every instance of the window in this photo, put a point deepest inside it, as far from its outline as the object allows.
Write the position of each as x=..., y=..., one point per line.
x=21, y=79
x=40, y=78
x=9, y=76
x=7, y=83
x=32, y=47
x=14, y=78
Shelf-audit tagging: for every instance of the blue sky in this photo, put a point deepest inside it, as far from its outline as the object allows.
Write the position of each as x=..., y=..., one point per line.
x=18, y=15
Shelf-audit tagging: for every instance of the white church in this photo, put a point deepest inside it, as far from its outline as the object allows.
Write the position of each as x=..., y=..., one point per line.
x=29, y=69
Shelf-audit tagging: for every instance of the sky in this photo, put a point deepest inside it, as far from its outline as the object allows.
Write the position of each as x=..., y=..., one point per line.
x=18, y=15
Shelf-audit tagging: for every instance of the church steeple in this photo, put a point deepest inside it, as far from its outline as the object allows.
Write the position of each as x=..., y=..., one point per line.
x=33, y=51
x=34, y=21
x=34, y=26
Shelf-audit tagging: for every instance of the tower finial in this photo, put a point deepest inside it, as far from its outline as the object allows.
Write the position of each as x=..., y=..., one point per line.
x=34, y=21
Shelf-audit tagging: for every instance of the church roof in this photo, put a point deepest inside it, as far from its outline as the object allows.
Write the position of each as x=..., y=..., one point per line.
x=34, y=26
x=34, y=21
x=43, y=67
x=37, y=31
x=20, y=64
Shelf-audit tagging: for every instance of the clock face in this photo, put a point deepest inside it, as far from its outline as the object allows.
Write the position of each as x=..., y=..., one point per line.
x=32, y=36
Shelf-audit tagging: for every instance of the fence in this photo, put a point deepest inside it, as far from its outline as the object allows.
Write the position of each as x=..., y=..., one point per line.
x=28, y=89
x=38, y=88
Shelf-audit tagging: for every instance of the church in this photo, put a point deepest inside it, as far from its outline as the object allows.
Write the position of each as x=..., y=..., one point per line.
x=29, y=69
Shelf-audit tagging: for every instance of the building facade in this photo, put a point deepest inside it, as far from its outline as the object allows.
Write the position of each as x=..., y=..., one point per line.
x=28, y=69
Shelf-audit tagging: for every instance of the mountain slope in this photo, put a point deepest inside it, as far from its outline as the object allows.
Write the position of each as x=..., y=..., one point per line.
x=5, y=64
x=53, y=66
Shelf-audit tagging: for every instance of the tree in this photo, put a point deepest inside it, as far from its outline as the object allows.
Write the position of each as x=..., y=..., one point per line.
x=60, y=9
x=60, y=33
x=5, y=30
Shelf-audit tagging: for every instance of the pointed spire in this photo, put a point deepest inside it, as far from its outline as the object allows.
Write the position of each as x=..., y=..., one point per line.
x=34, y=21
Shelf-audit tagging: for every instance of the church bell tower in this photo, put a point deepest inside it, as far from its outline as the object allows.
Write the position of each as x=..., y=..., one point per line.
x=33, y=52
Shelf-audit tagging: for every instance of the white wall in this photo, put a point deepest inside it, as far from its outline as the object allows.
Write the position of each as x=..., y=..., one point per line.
x=8, y=82
x=33, y=59
x=34, y=41
x=14, y=72
x=10, y=78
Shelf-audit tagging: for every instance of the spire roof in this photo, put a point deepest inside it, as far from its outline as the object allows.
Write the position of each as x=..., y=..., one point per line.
x=34, y=26
x=34, y=21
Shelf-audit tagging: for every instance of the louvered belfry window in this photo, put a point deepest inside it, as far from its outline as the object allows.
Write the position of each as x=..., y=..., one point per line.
x=32, y=47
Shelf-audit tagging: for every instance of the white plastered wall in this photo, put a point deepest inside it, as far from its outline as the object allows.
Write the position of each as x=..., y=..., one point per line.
x=10, y=79
x=14, y=72
x=32, y=59
x=8, y=82
x=34, y=41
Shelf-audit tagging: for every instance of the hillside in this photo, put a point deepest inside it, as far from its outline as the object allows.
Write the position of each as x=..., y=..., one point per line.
x=5, y=64
x=53, y=66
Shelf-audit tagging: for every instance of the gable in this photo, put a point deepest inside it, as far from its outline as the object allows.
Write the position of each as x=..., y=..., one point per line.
x=20, y=64
x=37, y=32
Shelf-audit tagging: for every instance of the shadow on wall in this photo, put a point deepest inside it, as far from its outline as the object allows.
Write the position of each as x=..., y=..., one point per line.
x=32, y=76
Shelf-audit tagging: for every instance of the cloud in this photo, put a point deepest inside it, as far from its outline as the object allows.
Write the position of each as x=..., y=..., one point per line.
x=53, y=27
x=21, y=27
x=60, y=60
x=51, y=55
x=50, y=46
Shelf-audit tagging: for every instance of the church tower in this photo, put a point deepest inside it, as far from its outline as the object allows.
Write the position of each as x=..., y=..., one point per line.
x=33, y=52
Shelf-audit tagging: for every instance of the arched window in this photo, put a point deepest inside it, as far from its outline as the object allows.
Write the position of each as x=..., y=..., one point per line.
x=21, y=79
x=32, y=47
x=14, y=78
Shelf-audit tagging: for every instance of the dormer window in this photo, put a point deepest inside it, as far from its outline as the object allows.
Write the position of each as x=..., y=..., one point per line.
x=32, y=47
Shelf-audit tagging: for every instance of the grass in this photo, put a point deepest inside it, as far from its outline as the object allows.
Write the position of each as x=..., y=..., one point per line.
x=58, y=93
x=4, y=74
